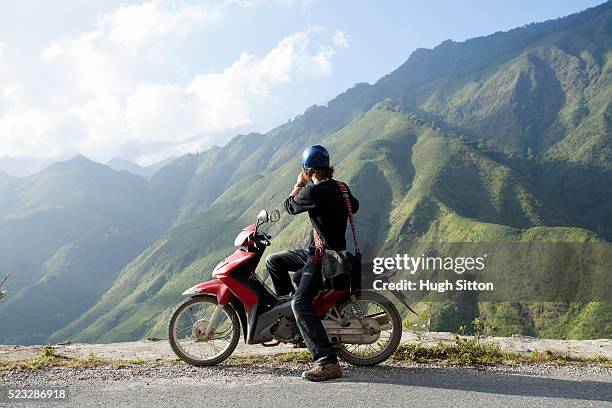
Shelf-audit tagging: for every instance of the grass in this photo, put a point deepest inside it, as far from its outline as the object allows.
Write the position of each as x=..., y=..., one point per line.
x=470, y=352
x=300, y=357
x=49, y=358
x=464, y=352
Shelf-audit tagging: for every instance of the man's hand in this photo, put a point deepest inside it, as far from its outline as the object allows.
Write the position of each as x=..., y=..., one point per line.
x=301, y=182
x=301, y=178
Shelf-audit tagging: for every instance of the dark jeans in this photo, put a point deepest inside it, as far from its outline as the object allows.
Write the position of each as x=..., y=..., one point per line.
x=280, y=264
x=311, y=328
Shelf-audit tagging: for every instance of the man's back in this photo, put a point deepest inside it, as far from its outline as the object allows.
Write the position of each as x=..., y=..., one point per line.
x=327, y=211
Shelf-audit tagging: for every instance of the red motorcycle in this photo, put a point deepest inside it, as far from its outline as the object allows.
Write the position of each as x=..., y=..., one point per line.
x=364, y=326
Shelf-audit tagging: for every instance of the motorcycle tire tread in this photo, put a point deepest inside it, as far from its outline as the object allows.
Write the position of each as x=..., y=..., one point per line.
x=233, y=342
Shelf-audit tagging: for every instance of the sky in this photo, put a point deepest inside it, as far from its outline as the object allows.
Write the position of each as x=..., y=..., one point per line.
x=146, y=80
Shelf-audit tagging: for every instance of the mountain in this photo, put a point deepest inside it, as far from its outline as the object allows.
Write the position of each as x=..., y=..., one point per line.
x=65, y=234
x=134, y=168
x=125, y=165
x=503, y=138
x=499, y=138
x=26, y=166
x=23, y=166
x=6, y=178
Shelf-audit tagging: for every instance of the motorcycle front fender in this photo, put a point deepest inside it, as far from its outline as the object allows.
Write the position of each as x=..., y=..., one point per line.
x=223, y=294
x=212, y=287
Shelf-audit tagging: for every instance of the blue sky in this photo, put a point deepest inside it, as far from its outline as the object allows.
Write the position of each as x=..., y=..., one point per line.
x=146, y=80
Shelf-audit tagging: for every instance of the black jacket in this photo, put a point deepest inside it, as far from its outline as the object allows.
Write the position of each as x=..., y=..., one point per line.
x=326, y=210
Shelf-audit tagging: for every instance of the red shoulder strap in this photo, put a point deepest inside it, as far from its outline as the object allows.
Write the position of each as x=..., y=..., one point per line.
x=347, y=202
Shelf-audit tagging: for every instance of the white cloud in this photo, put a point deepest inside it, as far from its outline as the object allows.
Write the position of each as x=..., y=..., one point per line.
x=156, y=109
x=28, y=131
x=304, y=4
x=226, y=100
x=341, y=39
x=98, y=100
x=133, y=26
x=105, y=58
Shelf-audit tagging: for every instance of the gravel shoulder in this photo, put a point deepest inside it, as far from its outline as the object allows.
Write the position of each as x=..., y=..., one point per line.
x=160, y=350
x=157, y=379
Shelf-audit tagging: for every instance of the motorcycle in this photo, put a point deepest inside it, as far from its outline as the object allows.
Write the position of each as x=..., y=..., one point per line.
x=364, y=326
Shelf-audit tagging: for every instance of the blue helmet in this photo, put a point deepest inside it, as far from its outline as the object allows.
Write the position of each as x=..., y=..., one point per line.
x=315, y=156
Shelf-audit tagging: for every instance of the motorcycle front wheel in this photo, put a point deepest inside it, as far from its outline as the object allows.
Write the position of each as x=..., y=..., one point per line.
x=194, y=340
x=373, y=305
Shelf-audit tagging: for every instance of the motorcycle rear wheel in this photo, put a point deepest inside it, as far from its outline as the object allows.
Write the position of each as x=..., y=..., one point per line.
x=185, y=331
x=372, y=304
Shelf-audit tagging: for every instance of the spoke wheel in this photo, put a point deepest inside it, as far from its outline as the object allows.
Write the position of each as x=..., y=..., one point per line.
x=187, y=331
x=373, y=305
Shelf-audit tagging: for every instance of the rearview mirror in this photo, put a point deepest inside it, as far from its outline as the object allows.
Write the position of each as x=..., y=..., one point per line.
x=275, y=215
x=262, y=216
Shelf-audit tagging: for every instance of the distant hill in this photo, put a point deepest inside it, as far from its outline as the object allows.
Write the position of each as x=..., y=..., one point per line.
x=134, y=168
x=23, y=166
x=503, y=138
x=4, y=177
x=65, y=234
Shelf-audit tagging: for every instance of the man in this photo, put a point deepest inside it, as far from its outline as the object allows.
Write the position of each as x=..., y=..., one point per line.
x=318, y=194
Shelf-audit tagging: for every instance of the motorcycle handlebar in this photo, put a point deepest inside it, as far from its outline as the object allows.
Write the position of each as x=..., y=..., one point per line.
x=262, y=237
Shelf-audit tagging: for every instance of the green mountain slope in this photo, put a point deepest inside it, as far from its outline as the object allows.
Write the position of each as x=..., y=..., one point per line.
x=500, y=138
x=65, y=234
x=138, y=304
x=504, y=138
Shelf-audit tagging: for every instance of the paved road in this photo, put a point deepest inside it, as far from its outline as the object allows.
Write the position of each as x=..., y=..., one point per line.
x=178, y=385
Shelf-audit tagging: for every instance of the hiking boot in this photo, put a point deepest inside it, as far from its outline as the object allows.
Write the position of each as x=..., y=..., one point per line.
x=322, y=372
